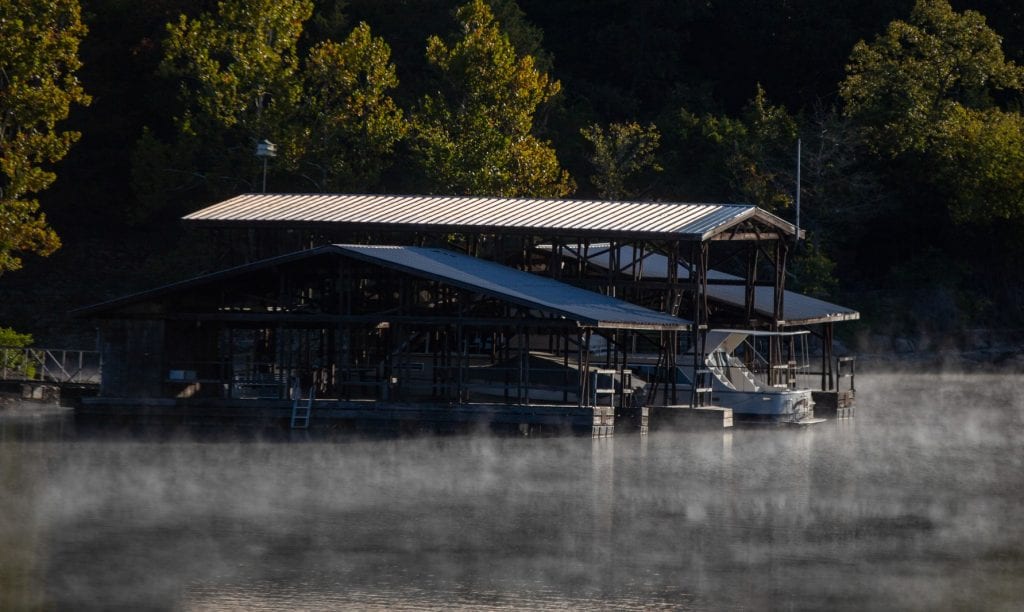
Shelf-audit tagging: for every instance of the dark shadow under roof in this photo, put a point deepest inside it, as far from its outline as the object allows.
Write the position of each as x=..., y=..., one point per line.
x=586, y=308
x=798, y=309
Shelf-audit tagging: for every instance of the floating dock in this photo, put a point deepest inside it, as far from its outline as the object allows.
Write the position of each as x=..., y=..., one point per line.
x=358, y=416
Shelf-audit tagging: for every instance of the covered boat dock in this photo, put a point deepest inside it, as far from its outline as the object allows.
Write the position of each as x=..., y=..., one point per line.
x=377, y=336
x=536, y=235
x=736, y=302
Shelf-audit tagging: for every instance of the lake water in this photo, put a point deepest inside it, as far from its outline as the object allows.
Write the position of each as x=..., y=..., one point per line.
x=916, y=503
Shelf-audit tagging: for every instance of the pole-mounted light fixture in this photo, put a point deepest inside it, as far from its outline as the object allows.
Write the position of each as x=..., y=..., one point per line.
x=265, y=149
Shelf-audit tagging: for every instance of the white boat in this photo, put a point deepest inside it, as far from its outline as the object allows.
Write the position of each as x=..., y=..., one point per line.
x=734, y=372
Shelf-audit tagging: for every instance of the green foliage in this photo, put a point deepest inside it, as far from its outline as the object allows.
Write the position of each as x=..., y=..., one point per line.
x=524, y=36
x=243, y=81
x=903, y=87
x=926, y=92
x=346, y=125
x=329, y=21
x=15, y=360
x=238, y=68
x=980, y=157
x=751, y=156
x=837, y=183
x=38, y=60
x=621, y=153
x=475, y=137
x=239, y=84
x=239, y=75
x=12, y=339
x=813, y=271
x=923, y=160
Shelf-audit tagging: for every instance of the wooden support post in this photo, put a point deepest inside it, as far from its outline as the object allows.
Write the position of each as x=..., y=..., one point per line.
x=827, y=362
x=778, y=297
x=585, y=367
x=749, y=290
x=506, y=351
x=584, y=254
x=579, y=367
x=630, y=337
x=613, y=268
x=554, y=258
x=673, y=351
x=461, y=346
x=526, y=367
x=565, y=368
x=698, y=272
x=672, y=279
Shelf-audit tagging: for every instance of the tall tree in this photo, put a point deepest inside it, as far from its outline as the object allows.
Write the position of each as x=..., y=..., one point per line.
x=747, y=158
x=475, y=135
x=238, y=71
x=928, y=92
x=903, y=87
x=38, y=59
x=621, y=153
x=347, y=125
x=244, y=80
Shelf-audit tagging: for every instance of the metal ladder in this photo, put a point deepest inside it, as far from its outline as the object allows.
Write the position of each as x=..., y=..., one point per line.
x=702, y=387
x=302, y=410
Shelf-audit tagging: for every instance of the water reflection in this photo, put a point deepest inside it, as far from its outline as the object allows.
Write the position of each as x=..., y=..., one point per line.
x=913, y=504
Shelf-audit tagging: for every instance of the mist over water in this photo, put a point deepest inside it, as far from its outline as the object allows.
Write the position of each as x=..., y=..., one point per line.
x=916, y=503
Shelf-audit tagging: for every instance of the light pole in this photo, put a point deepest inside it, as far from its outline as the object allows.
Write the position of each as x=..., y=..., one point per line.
x=265, y=149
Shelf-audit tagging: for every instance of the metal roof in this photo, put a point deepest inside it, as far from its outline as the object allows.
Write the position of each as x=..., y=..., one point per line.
x=587, y=308
x=797, y=308
x=452, y=213
x=523, y=288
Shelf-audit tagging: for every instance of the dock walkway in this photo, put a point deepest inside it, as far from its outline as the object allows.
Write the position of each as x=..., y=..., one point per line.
x=50, y=375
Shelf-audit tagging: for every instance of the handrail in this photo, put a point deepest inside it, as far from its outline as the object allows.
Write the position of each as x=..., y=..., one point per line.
x=61, y=366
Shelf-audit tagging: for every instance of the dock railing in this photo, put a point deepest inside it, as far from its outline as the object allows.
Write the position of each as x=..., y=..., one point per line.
x=44, y=365
x=844, y=374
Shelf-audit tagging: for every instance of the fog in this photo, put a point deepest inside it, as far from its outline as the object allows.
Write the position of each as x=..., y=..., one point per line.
x=913, y=504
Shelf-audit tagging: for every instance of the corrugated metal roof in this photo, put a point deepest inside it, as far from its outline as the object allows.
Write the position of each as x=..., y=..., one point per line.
x=797, y=309
x=587, y=308
x=451, y=213
x=523, y=288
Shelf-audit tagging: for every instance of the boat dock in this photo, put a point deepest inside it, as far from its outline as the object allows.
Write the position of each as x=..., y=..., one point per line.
x=50, y=375
x=358, y=416
x=511, y=312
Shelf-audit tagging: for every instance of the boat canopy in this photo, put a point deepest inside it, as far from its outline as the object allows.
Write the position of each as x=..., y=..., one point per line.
x=729, y=340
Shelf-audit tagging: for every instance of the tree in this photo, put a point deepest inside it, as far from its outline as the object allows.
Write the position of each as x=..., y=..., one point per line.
x=621, y=153
x=981, y=159
x=749, y=158
x=238, y=69
x=244, y=80
x=475, y=135
x=38, y=60
x=903, y=88
x=927, y=93
x=347, y=124
x=239, y=83
x=15, y=361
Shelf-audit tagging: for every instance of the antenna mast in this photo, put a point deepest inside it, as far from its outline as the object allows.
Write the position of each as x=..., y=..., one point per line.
x=797, y=238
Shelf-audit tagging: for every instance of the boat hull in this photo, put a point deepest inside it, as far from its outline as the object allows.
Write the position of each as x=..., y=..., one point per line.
x=783, y=405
